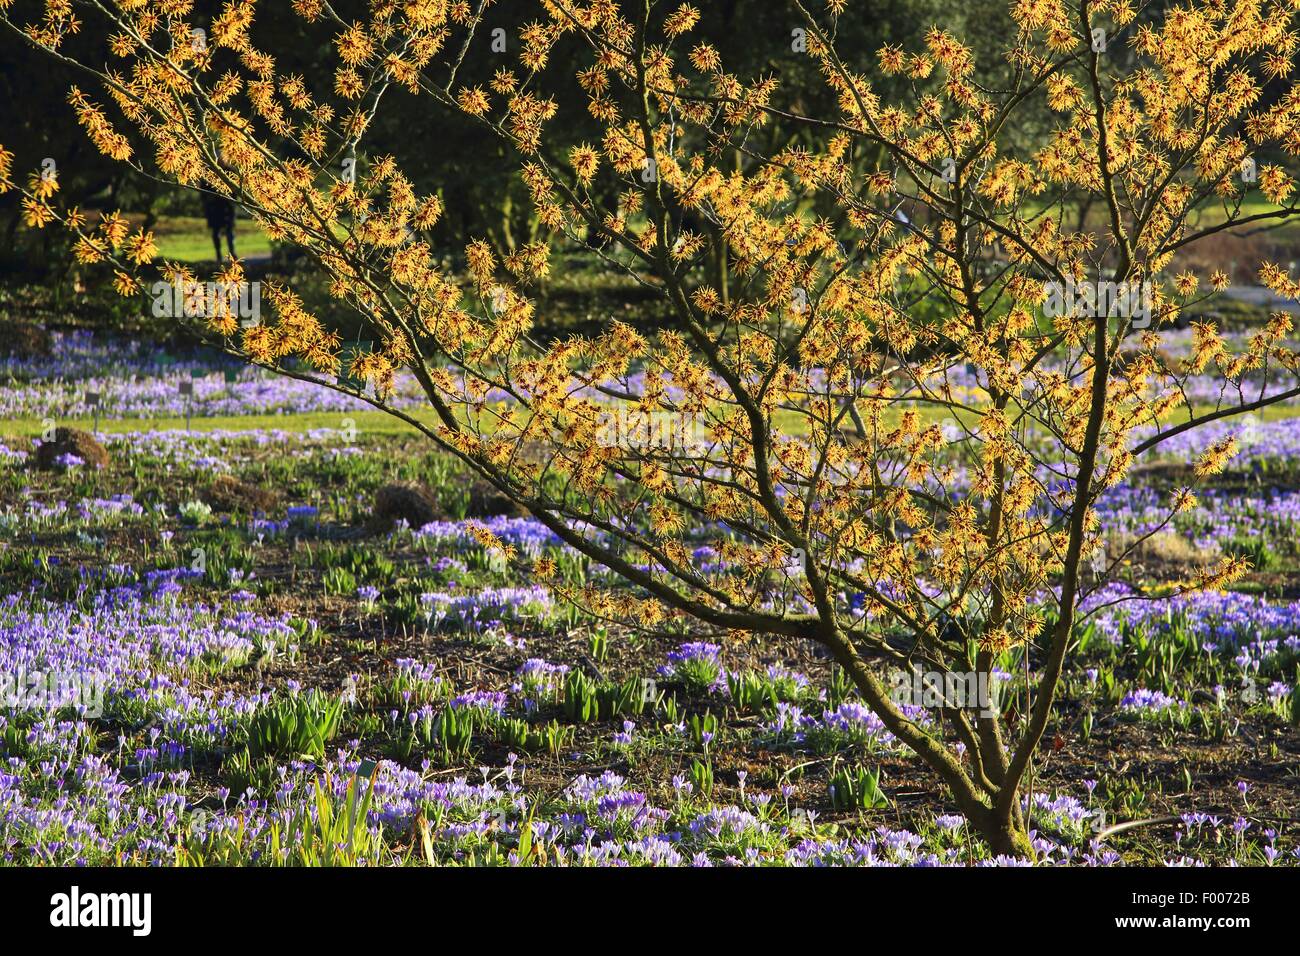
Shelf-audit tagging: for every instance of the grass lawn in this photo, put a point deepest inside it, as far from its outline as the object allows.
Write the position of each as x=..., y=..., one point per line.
x=371, y=423
x=186, y=239
x=376, y=423
x=1206, y=215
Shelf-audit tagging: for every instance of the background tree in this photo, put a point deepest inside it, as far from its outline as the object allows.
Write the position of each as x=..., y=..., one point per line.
x=900, y=271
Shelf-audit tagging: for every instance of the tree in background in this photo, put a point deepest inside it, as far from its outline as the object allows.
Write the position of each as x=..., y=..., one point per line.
x=892, y=424
x=440, y=153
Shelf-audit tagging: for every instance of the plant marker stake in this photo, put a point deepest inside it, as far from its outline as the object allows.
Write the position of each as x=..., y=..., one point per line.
x=187, y=389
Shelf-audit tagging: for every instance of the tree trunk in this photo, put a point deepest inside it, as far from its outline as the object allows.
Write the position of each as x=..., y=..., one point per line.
x=986, y=806
x=1005, y=837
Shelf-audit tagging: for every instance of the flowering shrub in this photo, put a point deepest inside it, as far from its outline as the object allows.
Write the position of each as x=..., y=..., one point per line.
x=893, y=261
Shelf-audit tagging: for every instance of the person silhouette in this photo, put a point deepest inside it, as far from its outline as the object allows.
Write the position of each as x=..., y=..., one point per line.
x=220, y=214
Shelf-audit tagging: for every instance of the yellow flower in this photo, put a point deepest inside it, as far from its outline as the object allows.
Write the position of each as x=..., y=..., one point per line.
x=681, y=20
x=473, y=101
x=36, y=214
x=585, y=161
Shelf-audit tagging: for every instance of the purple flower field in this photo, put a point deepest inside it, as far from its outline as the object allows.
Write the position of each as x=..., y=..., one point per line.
x=231, y=670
